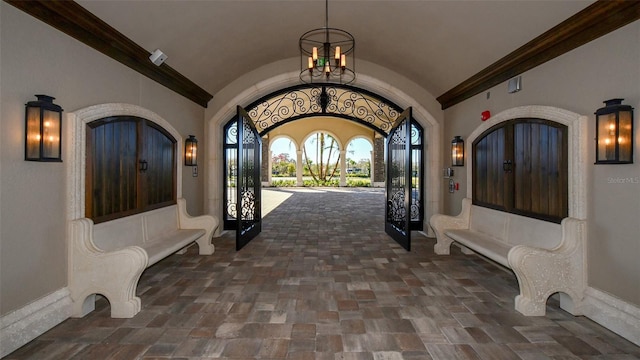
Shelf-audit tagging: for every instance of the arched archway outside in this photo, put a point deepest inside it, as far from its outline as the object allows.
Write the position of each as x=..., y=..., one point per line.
x=282, y=159
x=359, y=158
x=322, y=155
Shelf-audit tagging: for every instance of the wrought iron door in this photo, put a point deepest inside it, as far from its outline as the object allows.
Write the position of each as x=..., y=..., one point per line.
x=249, y=215
x=399, y=180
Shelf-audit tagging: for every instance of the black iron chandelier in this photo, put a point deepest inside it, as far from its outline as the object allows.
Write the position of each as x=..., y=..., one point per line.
x=327, y=55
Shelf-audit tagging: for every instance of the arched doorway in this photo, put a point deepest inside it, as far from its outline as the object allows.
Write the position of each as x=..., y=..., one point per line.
x=335, y=101
x=425, y=114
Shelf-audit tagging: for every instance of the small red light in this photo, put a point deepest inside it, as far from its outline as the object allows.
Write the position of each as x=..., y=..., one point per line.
x=486, y=115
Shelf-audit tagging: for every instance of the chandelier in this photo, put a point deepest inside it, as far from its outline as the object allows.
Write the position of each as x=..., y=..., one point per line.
x=327, y=55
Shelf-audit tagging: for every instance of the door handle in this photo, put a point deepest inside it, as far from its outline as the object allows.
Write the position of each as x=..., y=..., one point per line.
x=507, y=166
x=144, y=165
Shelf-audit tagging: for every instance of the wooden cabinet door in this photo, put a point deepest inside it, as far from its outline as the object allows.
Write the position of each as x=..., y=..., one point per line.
x=130, y=168
x=111, y=168
x=540, y=174
x=158, y=178
x=491, y=173
x=521, y=166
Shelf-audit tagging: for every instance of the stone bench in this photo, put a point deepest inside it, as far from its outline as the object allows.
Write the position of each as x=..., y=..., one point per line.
x=546, y=257
x=108, y=258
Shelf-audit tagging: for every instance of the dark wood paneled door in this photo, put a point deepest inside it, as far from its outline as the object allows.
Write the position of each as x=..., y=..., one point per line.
x=159, y=175
x=521, y=166
x=130, y=167
x=399, y=177
x=249, y=215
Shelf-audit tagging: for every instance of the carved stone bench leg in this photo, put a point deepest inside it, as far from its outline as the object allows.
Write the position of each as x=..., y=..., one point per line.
x=121, y=284
x=439, y=223
x=443, y=244
x=125, y=308
x=112, y=274
x=204, y=244
x=207, y=222
x=542, y=273
x=534, y=278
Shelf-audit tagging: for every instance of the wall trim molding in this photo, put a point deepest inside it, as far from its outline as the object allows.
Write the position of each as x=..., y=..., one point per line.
x=619, y=316
x=27, y=323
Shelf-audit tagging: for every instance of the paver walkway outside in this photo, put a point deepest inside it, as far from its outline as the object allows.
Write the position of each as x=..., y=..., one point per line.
x=323, y=281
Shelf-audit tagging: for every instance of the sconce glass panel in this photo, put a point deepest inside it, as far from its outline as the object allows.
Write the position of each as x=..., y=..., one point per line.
x=33, y=134
x=625, y=137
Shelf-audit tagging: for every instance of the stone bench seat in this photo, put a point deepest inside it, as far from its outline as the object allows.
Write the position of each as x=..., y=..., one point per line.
x=108, y=258
x=546, y=257
x=484, y=244
x=170, y=243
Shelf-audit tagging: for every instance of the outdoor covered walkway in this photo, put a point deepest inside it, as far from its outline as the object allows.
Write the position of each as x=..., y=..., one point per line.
x=323, y=281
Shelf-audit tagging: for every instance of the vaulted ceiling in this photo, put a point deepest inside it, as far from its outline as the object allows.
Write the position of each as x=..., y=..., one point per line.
x=437, y=44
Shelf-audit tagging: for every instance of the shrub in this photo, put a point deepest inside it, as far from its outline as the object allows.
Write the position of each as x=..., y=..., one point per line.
x=358, y=182
x=313, y=183
x=283, y=183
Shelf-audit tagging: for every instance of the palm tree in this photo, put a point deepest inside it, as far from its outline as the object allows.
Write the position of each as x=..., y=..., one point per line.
x=323, y=172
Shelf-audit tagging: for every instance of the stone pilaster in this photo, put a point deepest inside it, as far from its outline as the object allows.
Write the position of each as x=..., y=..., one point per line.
x=378, y=160
x=265, y=169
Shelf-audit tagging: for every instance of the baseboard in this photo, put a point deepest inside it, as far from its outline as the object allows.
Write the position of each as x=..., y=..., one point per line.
x=23, y=325
x=616, y=315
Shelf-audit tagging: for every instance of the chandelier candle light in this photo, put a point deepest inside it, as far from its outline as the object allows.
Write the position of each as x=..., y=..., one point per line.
x=327, y=55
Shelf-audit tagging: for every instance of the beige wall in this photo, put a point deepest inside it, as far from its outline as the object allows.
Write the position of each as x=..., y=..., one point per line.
x=37, y=59
x=579, y=81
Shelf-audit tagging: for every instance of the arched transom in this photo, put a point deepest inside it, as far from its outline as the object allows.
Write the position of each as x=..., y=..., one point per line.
x=323, y=100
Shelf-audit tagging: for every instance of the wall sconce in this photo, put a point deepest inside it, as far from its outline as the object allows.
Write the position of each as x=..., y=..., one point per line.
x=43, y=135
x=457, y=151
x=614, y=133
x=191, y=151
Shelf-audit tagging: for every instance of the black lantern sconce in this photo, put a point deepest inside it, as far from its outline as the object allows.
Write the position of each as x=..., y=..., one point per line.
x=43, y=135
x=457, y=151
x=614, y=133
x=191, y=151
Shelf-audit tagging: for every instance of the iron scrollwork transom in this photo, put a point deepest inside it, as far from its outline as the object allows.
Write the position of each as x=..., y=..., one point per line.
x=329, y=100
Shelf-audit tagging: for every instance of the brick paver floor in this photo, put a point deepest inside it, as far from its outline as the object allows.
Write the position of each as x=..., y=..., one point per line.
x=323, y=281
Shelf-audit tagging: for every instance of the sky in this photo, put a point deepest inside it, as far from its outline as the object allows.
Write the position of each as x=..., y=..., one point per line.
x=357, y=149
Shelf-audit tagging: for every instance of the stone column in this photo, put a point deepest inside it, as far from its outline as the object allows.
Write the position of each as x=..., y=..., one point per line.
x=265, y=168
x=270, y=168
x=299, y=168
x=371, y=166
x=343, y=168
x=378, y=162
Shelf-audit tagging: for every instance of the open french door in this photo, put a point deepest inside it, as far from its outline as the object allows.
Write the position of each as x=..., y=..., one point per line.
x=399, y=178
x=248, y=197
